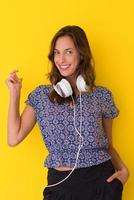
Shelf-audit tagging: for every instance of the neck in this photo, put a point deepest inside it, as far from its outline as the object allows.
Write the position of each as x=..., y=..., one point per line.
x=72, y=81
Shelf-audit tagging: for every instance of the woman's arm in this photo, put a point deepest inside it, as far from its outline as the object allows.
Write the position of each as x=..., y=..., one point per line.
x=122, y=172
x=18, y=126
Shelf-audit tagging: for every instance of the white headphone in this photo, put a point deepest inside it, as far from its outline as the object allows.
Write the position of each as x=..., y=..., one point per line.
x=64, y=89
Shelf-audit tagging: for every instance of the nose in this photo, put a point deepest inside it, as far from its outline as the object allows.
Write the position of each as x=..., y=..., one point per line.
x=61, y=58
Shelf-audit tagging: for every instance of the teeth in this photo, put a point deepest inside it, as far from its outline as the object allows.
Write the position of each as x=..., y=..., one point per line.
x=64, y=66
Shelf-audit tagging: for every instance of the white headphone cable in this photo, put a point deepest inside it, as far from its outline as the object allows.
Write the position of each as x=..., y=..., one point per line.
x=79, y=132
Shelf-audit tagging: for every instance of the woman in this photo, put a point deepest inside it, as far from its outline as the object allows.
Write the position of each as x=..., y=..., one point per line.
x=75, y=118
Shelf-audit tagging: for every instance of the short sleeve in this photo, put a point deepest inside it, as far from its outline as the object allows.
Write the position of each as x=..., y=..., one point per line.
x=109, y=109
x=31, y=99
x=34, y=98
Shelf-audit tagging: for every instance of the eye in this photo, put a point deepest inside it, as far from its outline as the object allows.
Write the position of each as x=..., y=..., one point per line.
x=56, y=52
x=69, y=52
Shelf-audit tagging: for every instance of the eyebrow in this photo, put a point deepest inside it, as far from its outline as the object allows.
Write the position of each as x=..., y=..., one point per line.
x=64, y=49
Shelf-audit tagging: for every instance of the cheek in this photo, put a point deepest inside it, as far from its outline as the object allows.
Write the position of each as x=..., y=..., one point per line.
x=77, y=60
x=55, y=62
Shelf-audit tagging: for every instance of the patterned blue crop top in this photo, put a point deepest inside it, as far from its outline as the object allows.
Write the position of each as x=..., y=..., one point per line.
x=56, y=122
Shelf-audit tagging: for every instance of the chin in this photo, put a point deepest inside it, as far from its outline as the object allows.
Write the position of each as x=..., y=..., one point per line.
x=65, y=74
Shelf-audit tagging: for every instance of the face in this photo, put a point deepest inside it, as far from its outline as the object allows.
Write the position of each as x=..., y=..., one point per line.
x=66, y=56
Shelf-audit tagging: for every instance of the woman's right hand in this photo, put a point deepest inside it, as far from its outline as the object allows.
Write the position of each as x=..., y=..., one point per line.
x=13, y=82
x=19, y=125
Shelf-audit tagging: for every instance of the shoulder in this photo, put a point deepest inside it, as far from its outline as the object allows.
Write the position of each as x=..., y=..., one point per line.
x=103, y=91
x=103, y=94
x=42, y=88
x=37, y=94
x=39, y=91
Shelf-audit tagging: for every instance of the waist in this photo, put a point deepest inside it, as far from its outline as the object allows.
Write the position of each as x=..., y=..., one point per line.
x=65, y=160
x=63, y=168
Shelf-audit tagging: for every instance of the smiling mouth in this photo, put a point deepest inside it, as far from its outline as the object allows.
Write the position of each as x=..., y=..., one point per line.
x=64, y=66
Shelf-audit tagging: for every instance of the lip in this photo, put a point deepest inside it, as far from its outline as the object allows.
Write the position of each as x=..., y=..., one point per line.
x=63, y=67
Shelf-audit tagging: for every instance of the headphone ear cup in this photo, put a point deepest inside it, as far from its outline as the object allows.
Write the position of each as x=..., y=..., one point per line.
x=81, y=84
x=63, y=88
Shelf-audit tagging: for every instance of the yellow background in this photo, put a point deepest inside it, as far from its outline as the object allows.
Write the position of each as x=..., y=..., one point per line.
x=26, y=30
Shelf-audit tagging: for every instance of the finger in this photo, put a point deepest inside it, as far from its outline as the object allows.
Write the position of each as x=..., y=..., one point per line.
x=14, y=76
x=11, y=80
x=111, y=178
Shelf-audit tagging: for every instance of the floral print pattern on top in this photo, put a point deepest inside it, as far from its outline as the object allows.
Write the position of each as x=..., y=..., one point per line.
x=56, y=122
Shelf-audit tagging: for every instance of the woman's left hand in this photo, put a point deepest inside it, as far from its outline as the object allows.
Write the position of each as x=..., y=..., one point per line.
x=121, y=174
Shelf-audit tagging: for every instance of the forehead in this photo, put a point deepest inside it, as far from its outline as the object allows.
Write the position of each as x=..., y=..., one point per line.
x=64, y=42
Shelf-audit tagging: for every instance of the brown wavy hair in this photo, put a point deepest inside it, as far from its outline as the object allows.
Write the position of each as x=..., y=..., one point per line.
x=86, y=65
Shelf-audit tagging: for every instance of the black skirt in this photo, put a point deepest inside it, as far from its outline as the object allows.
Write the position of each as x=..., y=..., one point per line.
x=84, y=184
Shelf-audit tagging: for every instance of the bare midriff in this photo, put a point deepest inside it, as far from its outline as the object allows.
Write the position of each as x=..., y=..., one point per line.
x=63, y=168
